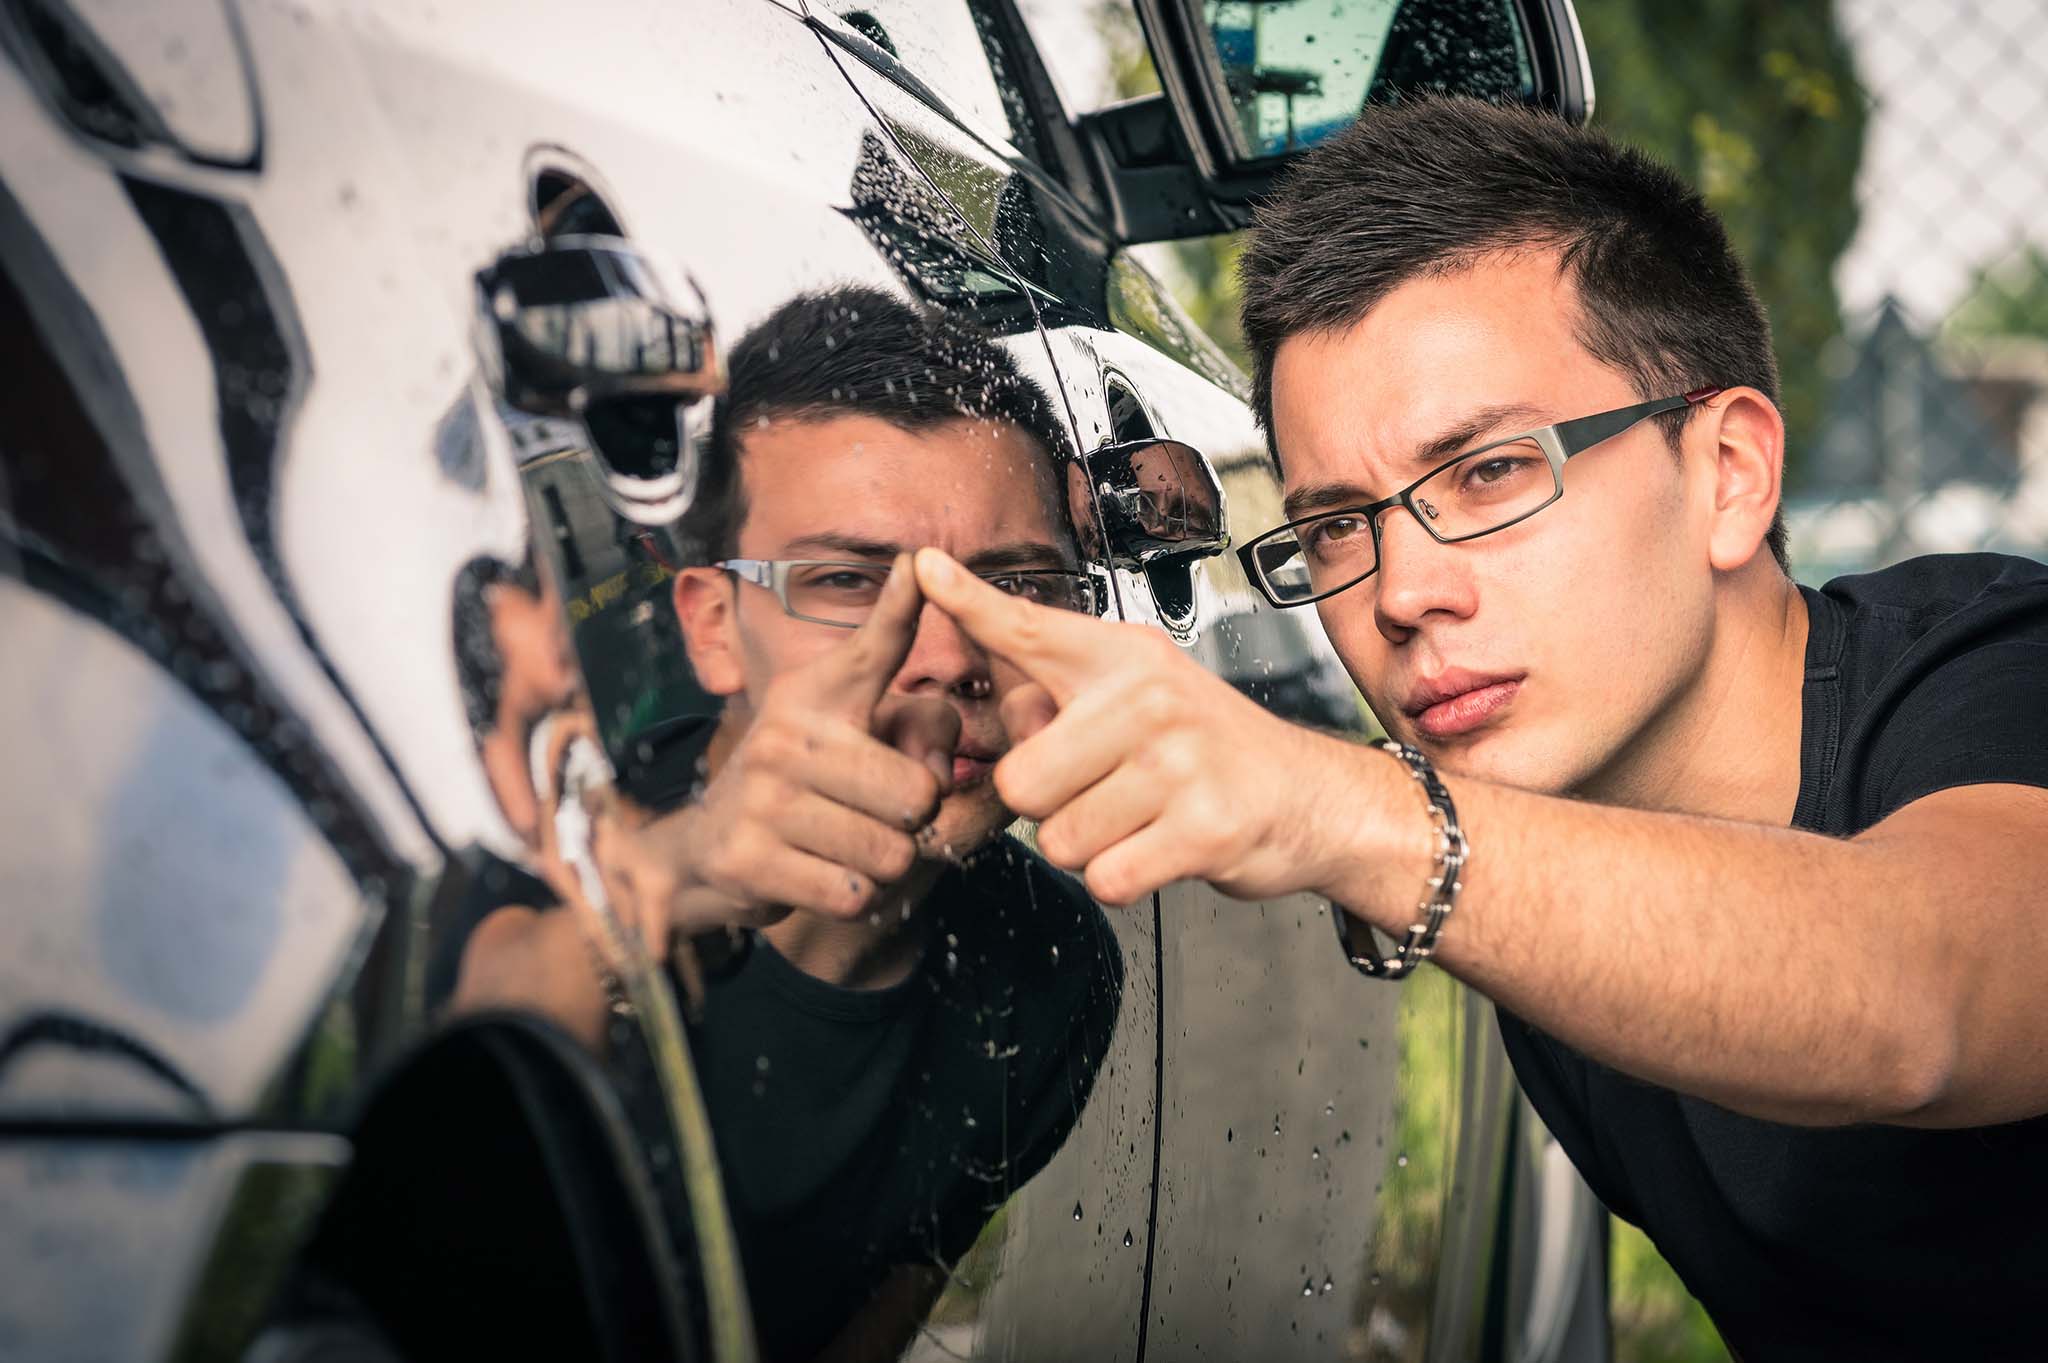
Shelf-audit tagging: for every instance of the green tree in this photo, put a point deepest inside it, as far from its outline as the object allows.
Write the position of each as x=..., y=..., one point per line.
x=2006, y=298
x=1757, y=102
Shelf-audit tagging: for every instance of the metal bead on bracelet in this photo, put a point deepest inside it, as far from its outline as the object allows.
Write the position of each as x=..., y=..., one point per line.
x=1440, y=893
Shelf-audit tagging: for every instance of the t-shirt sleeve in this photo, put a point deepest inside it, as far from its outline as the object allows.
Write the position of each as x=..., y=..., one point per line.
x=1978, y=716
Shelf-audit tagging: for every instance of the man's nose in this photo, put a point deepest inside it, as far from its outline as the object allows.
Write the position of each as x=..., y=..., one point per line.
x=1418, y=576
x=942, y=659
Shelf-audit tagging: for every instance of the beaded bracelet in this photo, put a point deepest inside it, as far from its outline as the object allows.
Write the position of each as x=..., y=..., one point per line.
x=1440, y=892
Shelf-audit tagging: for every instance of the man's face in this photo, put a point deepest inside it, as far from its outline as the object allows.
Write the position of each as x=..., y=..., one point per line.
x=856, y=488
x=1572, y=636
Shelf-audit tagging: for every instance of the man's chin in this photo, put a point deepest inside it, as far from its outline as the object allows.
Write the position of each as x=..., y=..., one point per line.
x=968, y=821
x=1502, y=756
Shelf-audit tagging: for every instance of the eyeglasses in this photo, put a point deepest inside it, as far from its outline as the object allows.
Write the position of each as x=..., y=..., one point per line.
x=843, y=594
x=1491, y=488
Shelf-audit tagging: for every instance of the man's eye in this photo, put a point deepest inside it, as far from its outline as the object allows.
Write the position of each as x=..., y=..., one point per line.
x=1017, y=584
x=846, y=582
x=1328, y=535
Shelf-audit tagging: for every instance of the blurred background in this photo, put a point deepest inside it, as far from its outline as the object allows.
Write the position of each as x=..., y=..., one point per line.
x=1881, y=167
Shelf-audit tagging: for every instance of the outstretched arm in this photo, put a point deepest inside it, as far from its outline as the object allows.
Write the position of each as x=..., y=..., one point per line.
x=1892, y=977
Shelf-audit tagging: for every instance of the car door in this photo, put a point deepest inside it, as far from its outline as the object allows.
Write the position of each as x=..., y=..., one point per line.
x=1305, y=1145
x=421, y=577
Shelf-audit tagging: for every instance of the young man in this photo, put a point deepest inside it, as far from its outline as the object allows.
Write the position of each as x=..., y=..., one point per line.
x=1758, y=873
x=923, y=1008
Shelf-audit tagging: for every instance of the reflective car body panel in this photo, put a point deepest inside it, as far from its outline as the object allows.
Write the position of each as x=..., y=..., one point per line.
x=308, y=609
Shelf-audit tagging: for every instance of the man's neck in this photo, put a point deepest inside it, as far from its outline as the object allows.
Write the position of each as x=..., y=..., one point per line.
x=873, y=951
x=1728, y=746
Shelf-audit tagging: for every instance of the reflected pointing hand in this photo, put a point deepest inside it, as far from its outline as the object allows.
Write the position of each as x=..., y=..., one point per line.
x=819, y=803
x=1142, y=767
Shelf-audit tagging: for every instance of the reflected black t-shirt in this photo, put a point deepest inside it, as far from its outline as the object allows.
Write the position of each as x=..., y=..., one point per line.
x=1868, y=1242
x=859, y=1130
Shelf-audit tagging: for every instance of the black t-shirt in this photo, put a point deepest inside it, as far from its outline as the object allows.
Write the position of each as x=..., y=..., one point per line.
x=1866, y=1242
x=859, y=1130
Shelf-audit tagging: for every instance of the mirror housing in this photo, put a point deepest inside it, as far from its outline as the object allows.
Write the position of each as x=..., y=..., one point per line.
x=1241, y=100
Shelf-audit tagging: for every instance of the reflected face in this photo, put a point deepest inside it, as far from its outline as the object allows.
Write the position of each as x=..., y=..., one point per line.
x=854, y=487
x=1552, y=653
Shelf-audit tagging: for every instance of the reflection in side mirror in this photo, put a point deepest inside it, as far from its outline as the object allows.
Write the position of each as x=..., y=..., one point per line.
x=1247, y=85
x=1159, y=499
x=1293, y=72
x=579, y=330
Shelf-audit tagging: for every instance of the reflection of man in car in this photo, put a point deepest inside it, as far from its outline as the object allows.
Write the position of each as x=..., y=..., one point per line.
x=512, y=659
x=920, y=1019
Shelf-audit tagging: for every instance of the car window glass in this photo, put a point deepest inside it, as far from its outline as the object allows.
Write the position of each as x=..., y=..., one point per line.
x=952, y=47
x=1095, y=53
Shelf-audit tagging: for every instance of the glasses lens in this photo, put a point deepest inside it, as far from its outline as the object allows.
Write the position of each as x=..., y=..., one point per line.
x=1061, y=591
x=837, y=593
x=1315, y=558
x=1486, y=490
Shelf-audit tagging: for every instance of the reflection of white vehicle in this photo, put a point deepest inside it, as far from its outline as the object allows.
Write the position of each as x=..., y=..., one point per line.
x=259, y=407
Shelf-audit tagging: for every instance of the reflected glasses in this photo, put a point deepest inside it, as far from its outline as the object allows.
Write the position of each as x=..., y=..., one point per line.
x=1481, y=491
x=843, y=593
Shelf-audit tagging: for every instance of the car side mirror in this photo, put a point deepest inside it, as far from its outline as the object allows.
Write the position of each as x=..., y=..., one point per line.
x=1249, y=85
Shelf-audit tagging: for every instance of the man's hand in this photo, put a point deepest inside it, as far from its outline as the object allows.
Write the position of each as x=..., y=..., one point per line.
x=1143, y=767
x=816, y=808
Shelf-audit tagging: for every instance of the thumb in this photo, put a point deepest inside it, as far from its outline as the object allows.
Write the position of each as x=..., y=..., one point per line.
x=852, y=677
x=924, y=730
x=1027, y=709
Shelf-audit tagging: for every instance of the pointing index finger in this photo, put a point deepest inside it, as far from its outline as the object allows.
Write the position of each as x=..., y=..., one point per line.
x=1057, y=649
x=855, y=674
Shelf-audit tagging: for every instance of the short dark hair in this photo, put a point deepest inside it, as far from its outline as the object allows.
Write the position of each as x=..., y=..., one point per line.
x=479, y=667
x=1432, y=184
x=854, y=350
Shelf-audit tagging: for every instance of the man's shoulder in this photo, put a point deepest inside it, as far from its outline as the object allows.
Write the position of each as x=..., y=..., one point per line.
x=1939, y=664
x=1935, y=586
x=1007, y=904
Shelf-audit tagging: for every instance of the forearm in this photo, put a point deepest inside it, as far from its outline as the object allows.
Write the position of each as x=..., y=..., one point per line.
x=1779, y=973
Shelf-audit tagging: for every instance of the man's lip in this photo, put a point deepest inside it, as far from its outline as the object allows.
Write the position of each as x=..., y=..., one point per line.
x=1456, y=702
x=969, y=767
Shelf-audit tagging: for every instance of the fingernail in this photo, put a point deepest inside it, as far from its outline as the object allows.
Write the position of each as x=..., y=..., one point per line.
x=939, y=567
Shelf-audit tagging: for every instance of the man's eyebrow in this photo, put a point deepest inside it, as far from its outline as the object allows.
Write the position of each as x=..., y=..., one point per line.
x=846, y=546
x=1021, y=556
x=1468, y=431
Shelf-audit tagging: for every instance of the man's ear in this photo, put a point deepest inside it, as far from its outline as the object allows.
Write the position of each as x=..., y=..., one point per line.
x=1748, y=452
x=704, y=608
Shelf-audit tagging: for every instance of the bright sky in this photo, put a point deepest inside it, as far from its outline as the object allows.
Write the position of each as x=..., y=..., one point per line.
x=1955, y=169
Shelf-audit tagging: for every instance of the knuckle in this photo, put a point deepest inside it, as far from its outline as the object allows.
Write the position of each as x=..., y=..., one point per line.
x=848, y=896
x=895, y=855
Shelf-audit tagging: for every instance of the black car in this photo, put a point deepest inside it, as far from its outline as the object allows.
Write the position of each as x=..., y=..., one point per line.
x=362, y=362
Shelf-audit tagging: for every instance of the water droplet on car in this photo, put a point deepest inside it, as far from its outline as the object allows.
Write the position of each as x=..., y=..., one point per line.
x=1055, y=955
x=1127, y=1240
x=1229, y=1134
x=1328, y=1285
x=1308, y=1289
x=1315, y=1152
x=1077, y=1211
x=1401, y=1161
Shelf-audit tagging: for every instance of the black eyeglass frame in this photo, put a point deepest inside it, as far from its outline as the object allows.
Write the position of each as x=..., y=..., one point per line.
x=1558, y=442
x=773, y=574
